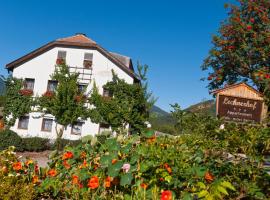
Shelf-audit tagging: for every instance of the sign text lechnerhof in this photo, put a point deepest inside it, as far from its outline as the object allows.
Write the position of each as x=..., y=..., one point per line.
x=239, y=109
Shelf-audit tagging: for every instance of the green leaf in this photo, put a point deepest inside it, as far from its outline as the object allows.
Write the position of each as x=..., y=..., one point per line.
x=113, y=170
x=105, y=160
x=222, y=190
x=227, y=184
x=126, y=179
x=187, y=196
x=201, y=185
x=203, y=193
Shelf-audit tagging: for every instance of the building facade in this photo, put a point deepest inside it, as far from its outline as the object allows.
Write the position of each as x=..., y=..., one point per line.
x=83, y=56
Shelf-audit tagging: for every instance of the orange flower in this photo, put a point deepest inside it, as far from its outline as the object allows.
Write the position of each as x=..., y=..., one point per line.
x=28, y=162
x=35, y=179
x=107, y=182
x=166, y=195
x=66, y=165
x=114, y=161
x=151, y=139
x=17, y=166
x=169, y=170
x=52, y=172
x=208, y=177
x=93, y=183
x=144, y=185
x=75, y=180
x=67, y=155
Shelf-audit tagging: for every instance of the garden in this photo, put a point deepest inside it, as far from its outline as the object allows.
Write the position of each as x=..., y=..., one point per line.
x=209, y=162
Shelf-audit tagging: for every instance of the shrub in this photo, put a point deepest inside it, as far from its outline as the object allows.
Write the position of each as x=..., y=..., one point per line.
x=35, y=144
x=10, y=138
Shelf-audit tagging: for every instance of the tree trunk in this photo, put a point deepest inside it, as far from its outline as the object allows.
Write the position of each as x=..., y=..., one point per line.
x=59, y=134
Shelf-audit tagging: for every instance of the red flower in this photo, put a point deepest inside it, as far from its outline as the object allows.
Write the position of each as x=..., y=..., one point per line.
x=114, y=161
x=231, y=47
x=267, y=76
x=208, y=177
x=168, y=168
x=48, y=94
x=36, y=168
x=66, y=165
x=252, y=20
x=60, y=61
x=52, y=172
x=107, y=182
x=161, y=179
x=26, y=92
x=144, y=185
x=67, y=155
x=17, y=166
x=249, y=27
x=209, y=78
x=93, y=183
x=166, y=195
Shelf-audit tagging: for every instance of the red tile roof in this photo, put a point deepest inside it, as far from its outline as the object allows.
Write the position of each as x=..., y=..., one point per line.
x=79, y=37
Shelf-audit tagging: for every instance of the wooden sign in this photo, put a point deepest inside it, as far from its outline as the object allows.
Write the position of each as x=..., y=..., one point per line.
x=239, y=109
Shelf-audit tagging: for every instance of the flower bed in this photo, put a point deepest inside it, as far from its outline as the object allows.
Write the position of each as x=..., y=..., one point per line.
x=147, y=167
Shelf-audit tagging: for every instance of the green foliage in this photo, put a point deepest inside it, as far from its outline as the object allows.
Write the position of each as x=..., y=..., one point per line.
x=10, y=138
x=241, y=47
x=129, y=105
x=62, y=143
x=35, y=144
x=67, y=103
x=2, y=100
x=16, y=104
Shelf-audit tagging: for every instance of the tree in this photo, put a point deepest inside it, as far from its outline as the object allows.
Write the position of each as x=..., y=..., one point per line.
x=18, y=101
x=241, y=48
x=67, y=103
x=128, y=104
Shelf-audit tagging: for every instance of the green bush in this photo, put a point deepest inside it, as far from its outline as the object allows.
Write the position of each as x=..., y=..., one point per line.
x=10, y=138
x=35, y=144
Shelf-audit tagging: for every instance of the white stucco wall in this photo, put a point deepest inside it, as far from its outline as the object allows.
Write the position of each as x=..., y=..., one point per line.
x=41, y=67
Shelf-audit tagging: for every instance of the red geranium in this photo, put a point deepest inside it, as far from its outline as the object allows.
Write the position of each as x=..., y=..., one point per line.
x=26, y=92
x=66, y=165
x=17, y=166
x=143, y=185
x=93, y=183
x=60, y=61
x=67, y=155
x=249, y=27
x=48, y=94
x=166, y=195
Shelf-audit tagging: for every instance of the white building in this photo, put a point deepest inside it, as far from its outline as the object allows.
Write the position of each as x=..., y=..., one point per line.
x=83, y=55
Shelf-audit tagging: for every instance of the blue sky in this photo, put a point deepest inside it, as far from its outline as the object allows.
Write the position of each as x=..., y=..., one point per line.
x=172, y=37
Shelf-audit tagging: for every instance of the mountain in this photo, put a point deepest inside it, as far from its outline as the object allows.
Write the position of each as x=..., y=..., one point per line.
x=206, y=107
x=157, y=111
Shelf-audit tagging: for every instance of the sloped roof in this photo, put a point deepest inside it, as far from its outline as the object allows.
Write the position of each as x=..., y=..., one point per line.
x=124, y=59
x=237, y=85
x=79, y=37
x=76, y=41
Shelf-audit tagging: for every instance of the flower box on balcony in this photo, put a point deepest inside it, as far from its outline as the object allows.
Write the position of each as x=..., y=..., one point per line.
x=60, y=61
x=48, y=94
x=87, y=64
x=26, y=92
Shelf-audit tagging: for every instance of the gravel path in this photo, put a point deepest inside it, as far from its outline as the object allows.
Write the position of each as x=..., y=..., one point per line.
x=42, y=158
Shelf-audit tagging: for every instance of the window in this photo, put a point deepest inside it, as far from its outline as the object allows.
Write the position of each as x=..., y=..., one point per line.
x=104, y=127
x=23, y=122
x=51, y=87
x=62, y=55
x=107, y=93
x=46, y=125
x=88, y=60
x=82, y=87
x=29, y=84
x=77, y=128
